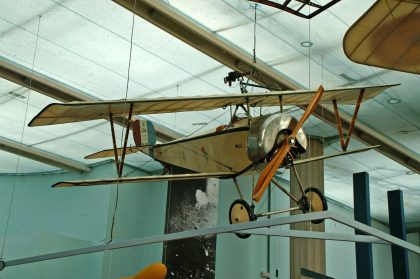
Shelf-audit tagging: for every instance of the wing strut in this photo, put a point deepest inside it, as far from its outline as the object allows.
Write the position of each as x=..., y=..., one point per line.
x=345, y=144
x=114, y=142
x=127, y=131
x=120, y=164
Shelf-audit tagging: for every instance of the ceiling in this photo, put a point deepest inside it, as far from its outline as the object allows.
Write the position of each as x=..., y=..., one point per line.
x=85, y=45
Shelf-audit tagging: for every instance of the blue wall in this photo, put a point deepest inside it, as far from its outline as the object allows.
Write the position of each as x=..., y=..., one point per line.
x=47, y=220
x=238, y=258
x=44, y=220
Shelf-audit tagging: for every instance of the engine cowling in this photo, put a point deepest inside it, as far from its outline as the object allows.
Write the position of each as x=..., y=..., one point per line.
x=267, y=132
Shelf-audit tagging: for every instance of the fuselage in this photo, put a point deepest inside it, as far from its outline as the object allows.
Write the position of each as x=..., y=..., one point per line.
x=233, y=148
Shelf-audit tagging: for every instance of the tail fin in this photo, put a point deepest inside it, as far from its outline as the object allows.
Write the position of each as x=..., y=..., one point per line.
x=144, y=134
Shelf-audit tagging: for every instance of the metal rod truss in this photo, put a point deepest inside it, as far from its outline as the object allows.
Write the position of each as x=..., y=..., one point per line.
x=373, y=236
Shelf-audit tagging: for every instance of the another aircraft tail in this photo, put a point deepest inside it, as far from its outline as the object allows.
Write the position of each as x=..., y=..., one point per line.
x=153, y=271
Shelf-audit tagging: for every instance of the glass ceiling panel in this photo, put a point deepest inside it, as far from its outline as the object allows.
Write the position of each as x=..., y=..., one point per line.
x=97, y=66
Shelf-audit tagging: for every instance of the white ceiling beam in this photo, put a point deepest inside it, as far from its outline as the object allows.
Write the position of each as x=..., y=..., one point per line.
x=161, y=15
x=40, y=83
x=59, y=91
x=183, y=28
x=39, y=155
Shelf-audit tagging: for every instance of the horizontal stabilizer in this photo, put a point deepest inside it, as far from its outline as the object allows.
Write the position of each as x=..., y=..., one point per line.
x=139, y=179
x=110, y=152
x=336, y=154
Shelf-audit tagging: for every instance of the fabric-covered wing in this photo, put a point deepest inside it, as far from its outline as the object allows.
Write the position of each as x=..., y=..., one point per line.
x=139, y=179
x=83, y=111
x=387, y=36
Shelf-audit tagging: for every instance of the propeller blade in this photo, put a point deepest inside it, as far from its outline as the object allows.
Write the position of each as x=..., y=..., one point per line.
x=270, y=170
x=309, y=110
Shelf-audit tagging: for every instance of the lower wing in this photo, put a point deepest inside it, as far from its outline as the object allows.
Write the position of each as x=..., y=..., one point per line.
x=336, y=154
x=139, y=179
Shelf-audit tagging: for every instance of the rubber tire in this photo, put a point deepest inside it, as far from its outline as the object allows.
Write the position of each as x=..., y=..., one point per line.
x=323, y=200
x=248, y=209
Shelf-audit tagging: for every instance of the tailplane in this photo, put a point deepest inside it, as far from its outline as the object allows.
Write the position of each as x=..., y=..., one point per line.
x=144, y=135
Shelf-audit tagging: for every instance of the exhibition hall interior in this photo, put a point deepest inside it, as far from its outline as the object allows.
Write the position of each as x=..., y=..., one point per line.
x=209, y=139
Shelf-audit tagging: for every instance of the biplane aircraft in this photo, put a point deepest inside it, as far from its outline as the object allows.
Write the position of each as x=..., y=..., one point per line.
x=263, y=144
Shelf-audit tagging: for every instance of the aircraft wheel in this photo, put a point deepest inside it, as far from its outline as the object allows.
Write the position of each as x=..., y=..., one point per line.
x=240, y=212
x=316, y=201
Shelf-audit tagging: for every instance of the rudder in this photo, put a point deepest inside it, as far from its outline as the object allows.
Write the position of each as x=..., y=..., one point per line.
x=144, y=132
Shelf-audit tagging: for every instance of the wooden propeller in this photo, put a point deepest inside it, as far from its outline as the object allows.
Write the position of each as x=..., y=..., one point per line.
x=270, y=170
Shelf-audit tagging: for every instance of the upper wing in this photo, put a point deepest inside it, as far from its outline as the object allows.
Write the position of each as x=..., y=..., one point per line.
x=387, y=36
x=139, y=179
x=83, y=111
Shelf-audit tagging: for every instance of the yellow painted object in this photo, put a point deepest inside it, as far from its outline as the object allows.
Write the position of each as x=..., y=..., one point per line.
x=153, y=271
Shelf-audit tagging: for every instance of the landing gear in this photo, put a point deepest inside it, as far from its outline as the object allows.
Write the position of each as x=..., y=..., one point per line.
x=241, y=212
x=313, y=201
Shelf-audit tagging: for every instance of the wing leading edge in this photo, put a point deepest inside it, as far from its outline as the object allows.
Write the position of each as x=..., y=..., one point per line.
x=59, y=113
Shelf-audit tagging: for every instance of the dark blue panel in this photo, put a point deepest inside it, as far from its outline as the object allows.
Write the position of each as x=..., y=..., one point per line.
x=397, y=229
x=364, y=265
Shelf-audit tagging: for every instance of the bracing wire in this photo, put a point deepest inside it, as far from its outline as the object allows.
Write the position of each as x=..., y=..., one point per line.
x=122, y=132
x=21, y=139
x=254, y=58
x=309, y=142
x=254, y=50
x=177, y=92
